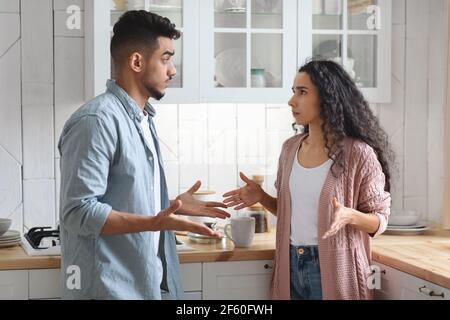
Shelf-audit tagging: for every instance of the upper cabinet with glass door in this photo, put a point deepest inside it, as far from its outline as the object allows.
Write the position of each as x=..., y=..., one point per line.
x=184, y=86
x=354, y=33
x=247, y=50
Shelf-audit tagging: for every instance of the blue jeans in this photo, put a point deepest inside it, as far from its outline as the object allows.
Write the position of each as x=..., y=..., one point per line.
x=305, y=273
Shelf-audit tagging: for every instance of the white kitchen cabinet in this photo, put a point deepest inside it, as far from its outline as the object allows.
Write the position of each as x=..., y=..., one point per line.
x=354, y=33
x=248, y=51
x=241, y=280
x=44, y=284
x=398, y=285
x=191, y=276
x=101, y=15
x=14, y=285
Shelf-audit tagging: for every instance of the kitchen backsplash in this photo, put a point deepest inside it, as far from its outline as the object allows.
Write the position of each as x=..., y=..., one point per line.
x=207, y=142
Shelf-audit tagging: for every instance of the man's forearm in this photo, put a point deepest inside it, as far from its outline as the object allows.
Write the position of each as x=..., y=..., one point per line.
x=122, y=222
x=269, y=202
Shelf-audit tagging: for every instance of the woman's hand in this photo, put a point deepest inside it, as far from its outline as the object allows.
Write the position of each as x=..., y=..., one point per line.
x=194, y=207
x=342, y=217
x=244, y=197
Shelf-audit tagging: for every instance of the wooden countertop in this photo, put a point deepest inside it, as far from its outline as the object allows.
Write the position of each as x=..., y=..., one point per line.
x=426, y=256
x=263, y=247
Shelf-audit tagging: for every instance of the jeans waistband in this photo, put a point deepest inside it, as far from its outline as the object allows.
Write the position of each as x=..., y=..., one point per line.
x=305, y=251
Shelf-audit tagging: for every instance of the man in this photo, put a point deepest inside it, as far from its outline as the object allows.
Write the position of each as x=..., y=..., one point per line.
x=115, y=215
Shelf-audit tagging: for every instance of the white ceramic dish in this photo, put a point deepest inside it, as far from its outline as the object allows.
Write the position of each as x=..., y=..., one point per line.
x=198, y=238
x=414, y=226
x=10, y=244
x=230, y=67
x=156, y=7
x=405, y=231
x=10, y=234
x=403, y=218
x=4, y=225
x=235, y=9
x=9, y=239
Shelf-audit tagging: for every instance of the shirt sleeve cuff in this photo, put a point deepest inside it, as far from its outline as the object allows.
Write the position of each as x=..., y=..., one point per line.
x=381, y=226
x=98, y=218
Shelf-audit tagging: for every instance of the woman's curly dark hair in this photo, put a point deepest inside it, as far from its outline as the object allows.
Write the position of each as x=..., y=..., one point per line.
x=346, y=113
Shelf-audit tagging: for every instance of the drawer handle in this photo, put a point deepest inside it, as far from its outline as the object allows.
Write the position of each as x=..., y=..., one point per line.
x=382, y=271
x=430, y=293
x=266, y=266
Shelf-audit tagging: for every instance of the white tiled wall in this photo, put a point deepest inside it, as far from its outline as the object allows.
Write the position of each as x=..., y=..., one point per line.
x=211, y=143
x=10, y=113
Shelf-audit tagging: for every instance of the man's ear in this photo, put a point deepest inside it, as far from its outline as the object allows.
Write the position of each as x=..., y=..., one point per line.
x=136, y=61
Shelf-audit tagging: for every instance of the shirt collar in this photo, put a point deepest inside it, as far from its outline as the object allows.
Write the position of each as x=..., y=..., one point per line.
x=130, y=105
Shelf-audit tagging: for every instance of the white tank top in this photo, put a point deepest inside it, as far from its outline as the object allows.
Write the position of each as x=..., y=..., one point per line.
x=306, y=186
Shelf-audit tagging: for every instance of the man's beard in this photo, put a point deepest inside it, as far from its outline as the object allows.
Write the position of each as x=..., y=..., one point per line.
x=154, y=93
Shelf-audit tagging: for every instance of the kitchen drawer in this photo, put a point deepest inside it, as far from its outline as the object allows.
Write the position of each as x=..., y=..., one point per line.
x=45, y=284
x=398, y=285
x=14, y=285
x=246, y=280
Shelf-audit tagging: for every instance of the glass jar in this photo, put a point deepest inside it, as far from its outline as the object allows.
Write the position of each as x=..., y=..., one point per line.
x=258, y=212
x=258, y=78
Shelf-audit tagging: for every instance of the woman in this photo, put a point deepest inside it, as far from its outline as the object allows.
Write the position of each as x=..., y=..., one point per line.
x=333, y=186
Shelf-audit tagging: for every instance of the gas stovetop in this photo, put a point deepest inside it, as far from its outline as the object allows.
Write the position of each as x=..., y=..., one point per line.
x=42, y=241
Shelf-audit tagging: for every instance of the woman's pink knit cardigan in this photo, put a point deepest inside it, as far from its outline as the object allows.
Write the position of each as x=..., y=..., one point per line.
x=344, y=258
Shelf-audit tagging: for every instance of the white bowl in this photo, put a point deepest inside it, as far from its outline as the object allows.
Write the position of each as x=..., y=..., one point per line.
x=403, y=218
x=4, y=225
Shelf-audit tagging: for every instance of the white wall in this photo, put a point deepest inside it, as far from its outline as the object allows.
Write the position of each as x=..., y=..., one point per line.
x=10, y=113
x=207, y=142
x=413, y=119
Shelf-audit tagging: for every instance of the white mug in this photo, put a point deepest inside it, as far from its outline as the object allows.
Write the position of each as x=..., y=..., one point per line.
x=242, y=231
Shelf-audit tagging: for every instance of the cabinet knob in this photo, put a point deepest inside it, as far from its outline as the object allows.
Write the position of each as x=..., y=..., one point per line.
x=266, y=266
x=382, y=271
x=429, y=292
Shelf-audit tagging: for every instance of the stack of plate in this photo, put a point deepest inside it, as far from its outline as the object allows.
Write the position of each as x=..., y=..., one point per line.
x=10, y=238
x=198, y=238
x=415, y=229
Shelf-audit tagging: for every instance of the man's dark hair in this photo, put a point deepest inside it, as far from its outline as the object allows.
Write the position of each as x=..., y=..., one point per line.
x=139, y=31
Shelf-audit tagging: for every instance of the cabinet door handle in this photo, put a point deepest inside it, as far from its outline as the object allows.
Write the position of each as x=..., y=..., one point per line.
x=382, y=271
x=430, y=292
x=266, y=266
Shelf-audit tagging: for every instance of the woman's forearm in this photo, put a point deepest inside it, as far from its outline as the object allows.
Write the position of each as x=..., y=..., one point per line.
x=367, y=222
x=269, y=202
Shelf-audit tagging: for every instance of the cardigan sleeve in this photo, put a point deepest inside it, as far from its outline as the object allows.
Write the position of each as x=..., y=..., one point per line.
x=372, y=196
x=278, y=178
x=281, y=162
